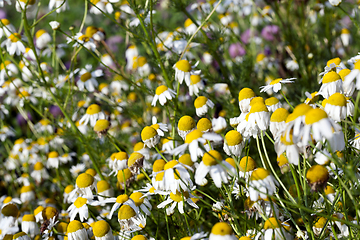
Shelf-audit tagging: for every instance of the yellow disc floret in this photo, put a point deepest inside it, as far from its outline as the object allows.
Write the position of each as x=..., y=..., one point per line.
x=84, y=180
x=74, y=226
x=279, y=115
x=148, y=133
x=93, y=109
x=186, y=123
x=271, y=223
x=200, y=101
x=259, y=174
x=246, y=93
x=204, y=125
x=314, y=115
x=330, y=77
x=247, y=164
x=183, y=65
x=161, y=89
x=102, y=186
x=126, y=212
x=233, y=138
x=222, y=229
x=337, y=99
x=101, y=228
x=193, y=135
x=211, y=158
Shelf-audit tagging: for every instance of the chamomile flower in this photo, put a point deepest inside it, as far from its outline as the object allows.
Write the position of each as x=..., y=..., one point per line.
x=85, y=183
x=129, y=219
x=213, y=164
x=183, y=71
x=104, y=190
x=331, y=83
x=318, y=123
x=176, y=177
x=7, y=68
x=277, y=121
x=272, y=104
x=53, y=160
x=192, y=141
x=150, y=137
x=163, y=94
x=222, y=231
x=332, y=65
x=202, y=104
x=39, y=173
x=261, y=184
x=135, y=162
x=245, y=96
x=259, y=118
x=87, y=78
x=185, y=125
x=101, y=6
x=43, y=38
x=336, y=107
x=118, y=201
x=204, y=125
x=60, y=5
x=141, y=202
x=117, y=161
x=125, y=177
x=80, y=207
x=27, y=193
x=29, y=226
x=76, y=231
x=21, y=236
x=345, y=37
x=275, y=85
x=285, y=144
x=196, y=84
x=102, y=231
x=14, y=45
x=93, y=113
x=273, y=229
x=348, y=86
x=82, y=40
x=178, y=199
x=233, y=143
x=6, y=28
x=317, y=177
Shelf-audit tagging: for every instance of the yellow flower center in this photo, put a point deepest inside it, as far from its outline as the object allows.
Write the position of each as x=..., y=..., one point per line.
x=20, y=234
x=120, y=156
x=314, y=115
x=93, y=109
x=7, y=199
x=122, y=198
x=101, y=125
x=246, y=93
x=279, y=115
x=80, y=201
x=329, y=190
x=204, y=124
x=317, y=173
x=39, y=33
x=123, y=173
x=161, y=89
x=200, y=102
x=38, y=166
x=271, y=101
x=170, y=164
x=183, y=65
x=331, y=77
x=74, y=226
x=186, y=159
x=211, y=158
x=357, y=65
x=134, y=158
x=84, y=180
x=61, y=227
x=284, y=137
x=275, y=81
x=126, y=212
x=259, y=107
x=247, y=164
x=259, y=174
x=178, y=196
x=222, y=229
x=159, y=176
x=102, y=186
x=320, y=222
x=15, y=37
x=345, y=31
x=86, y=76
x=282, y=160
x=337, y=61
x=188, y=23
x=271, y=223
x=159, y=165
x=337, y=99
x=138, y=146
x=91, y=171
x=49, y=212
x=84, y=38
x=186, y=123
x=194, y=79
x=53, y=154
x=260, y=57
x=343, y=73
x=136, y=196
x=148, y=133
x=233, y=138
x=10, y=210
x=5, y=21
x=141, y=61
x=193, y=135
x=26, y=189
x=231, y=161
x=38, y=210
x=101, y=228
x=139, y=237
x=68, y=189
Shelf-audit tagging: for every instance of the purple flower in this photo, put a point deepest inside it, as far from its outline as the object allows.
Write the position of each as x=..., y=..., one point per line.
x=269, y=32
x=21, y=121
x=247, y=35
x=55, y=111
x=113, y=43
x=2, y=14
x=236, y=50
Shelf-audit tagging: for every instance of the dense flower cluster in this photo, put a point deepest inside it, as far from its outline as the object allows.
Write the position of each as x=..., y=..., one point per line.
x=123, y=126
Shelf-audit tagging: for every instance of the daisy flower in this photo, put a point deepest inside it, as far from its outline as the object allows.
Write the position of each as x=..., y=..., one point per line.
x=202, y=104
x=39, y=173
x=135, y=162
x=29, y=226
x=93, y=113
x=222, y=231
x=336, y=107
x=7, y=68
x=246, y=167
x=101, y=6
x=176, y=177
x=80, y=207
x=277, y=122
x=272, y=104
x=218, y=124
x=27, y=193
x=331, y=83
x=178, y=199
x=141, y=202
x=204, y=125
x=275, y=85
x=42, y=38
x=245, y=96
x=118, y=202
x=183, y=71
x=261, y=184
x=87, y=78
x=273, y=229
x=345, y=37
x=150, y=137
x=317, y=177
x=102, y=230
x=285, y=144
x=320, y=126
x=85, y=183
x=348, y=86
x=233, y=143
x=192, y=141
x=334, y=64
x=117, y=161
x=6, y=28
x=53, y=160
x=76, y=230
x=185, y=125
x=163, y=94
x=22, y=4
x=212, y=163
x=257, y=120
x=129, y=219
x=60, y=5
x=14, y=45
x=196, y=84
x=82, y=40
